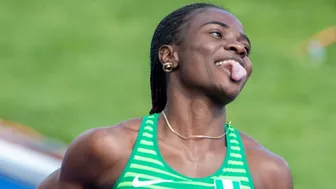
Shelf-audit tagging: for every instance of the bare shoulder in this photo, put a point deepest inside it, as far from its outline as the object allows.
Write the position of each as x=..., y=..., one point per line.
x=94, y=157
x=106, y=141
x=101, y=149
x=268, y=169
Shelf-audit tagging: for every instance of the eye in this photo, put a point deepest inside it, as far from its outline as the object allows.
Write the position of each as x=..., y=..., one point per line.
x=217, y=34
x=247, y=49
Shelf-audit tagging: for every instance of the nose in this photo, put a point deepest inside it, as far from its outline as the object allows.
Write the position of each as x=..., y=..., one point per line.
x=237, y=48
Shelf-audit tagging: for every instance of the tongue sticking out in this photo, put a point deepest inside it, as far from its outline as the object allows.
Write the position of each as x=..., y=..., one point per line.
x=237, y=71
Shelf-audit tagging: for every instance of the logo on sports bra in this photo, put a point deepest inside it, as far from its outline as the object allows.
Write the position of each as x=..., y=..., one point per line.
x=137, y=183
x=227, y=184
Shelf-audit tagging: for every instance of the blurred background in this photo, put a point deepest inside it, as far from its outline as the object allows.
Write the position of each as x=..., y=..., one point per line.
x=69, y=65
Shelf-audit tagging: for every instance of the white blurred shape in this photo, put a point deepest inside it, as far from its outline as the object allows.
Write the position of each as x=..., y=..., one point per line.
x=25, y=164
x=317, y=52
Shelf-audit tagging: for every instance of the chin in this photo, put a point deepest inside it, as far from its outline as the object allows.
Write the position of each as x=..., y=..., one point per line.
x=231, y=96
x=225, y=95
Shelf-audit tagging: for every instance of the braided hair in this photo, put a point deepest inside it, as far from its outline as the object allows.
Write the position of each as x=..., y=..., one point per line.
x=168, y=32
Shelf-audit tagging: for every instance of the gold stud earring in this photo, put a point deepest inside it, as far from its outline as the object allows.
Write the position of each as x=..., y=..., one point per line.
x=167, y=67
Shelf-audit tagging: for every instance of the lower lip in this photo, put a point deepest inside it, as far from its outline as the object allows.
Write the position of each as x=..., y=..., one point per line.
x=224, y=69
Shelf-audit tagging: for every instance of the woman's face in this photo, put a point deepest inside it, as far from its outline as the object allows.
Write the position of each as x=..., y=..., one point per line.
x=213, y=55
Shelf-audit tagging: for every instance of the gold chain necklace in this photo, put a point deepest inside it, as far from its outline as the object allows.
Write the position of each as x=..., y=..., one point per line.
x=191, y=137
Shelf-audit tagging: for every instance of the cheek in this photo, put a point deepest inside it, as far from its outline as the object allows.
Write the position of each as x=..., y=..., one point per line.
x=200, y=45
x=201, y=56
x=248, y=66
x=196, y=58
x=194, y=68
x=197, y=54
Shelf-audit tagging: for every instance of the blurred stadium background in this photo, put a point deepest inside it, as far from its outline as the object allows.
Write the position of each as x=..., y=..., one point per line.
x=70, y=65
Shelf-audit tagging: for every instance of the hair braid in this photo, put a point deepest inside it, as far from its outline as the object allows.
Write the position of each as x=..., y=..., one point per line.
x=167, y=32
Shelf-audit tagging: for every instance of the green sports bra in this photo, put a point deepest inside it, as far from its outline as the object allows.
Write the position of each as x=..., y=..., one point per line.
x=147, y=169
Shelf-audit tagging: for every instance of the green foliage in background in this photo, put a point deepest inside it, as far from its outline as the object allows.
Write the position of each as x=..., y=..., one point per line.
x=70, y=65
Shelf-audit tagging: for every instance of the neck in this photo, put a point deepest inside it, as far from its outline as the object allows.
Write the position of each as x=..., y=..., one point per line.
x=192, y=114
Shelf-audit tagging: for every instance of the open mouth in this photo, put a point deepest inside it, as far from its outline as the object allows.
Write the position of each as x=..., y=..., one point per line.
x=236, y=71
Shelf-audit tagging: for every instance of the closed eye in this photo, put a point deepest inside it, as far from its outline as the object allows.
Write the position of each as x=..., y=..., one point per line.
x=248, y=50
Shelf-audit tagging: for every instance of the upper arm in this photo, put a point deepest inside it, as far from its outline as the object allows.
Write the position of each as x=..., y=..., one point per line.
x=53, y=182
x=83, y=162
x=277, y=175
x=282, y=176
x=268, y=169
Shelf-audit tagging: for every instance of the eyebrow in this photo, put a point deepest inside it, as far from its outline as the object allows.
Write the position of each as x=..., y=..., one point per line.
x=226, y=26
x=217, y=23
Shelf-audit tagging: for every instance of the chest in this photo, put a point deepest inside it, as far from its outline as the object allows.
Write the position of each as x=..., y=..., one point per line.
x=143, y=173
x=149, y=167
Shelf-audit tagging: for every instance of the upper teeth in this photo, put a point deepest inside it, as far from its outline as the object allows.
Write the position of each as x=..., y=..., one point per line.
x=219, y=63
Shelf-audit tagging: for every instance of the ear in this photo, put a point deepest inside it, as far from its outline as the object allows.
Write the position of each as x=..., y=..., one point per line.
x=167, y=53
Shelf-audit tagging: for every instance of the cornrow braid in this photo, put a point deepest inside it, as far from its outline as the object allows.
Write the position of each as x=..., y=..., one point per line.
x=167, y=32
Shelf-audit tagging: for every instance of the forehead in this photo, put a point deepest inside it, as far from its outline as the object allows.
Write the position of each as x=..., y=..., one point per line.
x=215, y=14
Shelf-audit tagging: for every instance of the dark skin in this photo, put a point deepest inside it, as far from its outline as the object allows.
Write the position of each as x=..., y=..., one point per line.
x=197, y=94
